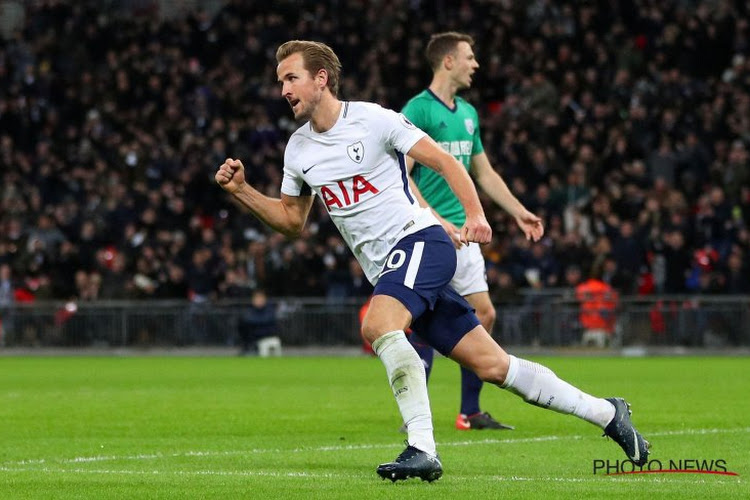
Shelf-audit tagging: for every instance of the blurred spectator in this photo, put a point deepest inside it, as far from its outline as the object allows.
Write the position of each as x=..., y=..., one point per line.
x=257, y=322
x=573, y=276
x=115, y=282
x=677, y=260
x=503, y=290
x=6, y=302
x=627, y=252
x=598, y=310
x=201, y=280
x=736, y=274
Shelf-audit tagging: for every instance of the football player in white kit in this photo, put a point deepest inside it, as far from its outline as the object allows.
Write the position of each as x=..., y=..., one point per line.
x=351, y=155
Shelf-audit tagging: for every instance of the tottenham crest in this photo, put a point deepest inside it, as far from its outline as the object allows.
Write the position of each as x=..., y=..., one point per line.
x=356, y=151
x=469, y=125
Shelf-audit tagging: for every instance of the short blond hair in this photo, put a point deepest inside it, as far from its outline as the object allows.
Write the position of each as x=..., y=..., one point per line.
x=315, y=56
x=442, y=44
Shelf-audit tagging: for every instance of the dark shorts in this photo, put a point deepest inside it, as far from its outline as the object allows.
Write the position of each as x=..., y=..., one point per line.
x=417, y=273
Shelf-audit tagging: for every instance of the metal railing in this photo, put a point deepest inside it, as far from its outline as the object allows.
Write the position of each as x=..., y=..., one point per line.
x=171, y=323
x=689, y=321
x=538, y=320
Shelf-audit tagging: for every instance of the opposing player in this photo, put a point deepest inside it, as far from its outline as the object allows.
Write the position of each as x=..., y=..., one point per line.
x=351, y=154
x=454, y=124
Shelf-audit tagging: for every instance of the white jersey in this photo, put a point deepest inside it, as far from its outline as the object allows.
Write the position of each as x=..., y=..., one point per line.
x=358, y=170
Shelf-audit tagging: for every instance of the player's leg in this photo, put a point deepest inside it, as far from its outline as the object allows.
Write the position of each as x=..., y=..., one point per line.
x=416, y=270
x=425, y=352
x=471, y=384
x=470, y=281
x=483, y=308
x=383, y=327
x=539, y=385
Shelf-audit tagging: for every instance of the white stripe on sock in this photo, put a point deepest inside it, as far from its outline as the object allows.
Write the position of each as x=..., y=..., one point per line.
x=416, y=259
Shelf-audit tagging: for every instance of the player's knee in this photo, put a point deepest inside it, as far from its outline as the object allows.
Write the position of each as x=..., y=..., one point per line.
x=493, y=372
x=373, y=328
x=370, y=331
x=384, y=315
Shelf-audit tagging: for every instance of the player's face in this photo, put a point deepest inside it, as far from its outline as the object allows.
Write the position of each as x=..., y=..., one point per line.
x=301, y=90
x=464, y=66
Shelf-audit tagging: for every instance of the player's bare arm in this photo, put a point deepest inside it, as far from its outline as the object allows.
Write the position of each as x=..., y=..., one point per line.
x=286, y=215
x=476, y=228
x=450, y=228
x=496, y=188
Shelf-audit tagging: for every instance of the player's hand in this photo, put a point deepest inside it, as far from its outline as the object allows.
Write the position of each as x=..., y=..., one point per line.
x=231, y=175
x=453, y=232
x=476, y=230
x=530, y=224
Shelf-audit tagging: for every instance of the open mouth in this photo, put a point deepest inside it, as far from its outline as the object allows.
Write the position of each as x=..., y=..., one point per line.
x=293, y=102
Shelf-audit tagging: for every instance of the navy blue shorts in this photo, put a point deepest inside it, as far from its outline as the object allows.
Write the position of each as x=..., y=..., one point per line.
x=417, y=273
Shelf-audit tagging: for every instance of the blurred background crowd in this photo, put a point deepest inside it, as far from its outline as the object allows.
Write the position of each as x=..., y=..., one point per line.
x=625, y=124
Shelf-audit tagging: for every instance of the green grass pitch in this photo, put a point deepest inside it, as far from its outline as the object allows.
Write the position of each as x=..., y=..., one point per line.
x=224, y=427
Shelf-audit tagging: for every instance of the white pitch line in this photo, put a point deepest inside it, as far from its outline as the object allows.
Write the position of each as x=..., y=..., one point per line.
x=685, y=432
x=348, y=475
x=257, y=451
x=183, y=473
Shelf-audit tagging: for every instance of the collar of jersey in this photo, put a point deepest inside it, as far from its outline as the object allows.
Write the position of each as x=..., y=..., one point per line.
x=342, y=114
x=455, y=102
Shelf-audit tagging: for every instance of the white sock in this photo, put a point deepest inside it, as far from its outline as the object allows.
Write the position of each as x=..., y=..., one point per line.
x=406, y=376
x=539, y=385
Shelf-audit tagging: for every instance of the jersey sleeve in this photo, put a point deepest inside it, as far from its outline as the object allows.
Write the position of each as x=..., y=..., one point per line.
x=477, y=146
x=293, y=184
x=398, y=132
x=414, y=112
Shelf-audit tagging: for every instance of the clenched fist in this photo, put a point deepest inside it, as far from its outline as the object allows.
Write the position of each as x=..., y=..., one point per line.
x=476, y=230
x=231, y=175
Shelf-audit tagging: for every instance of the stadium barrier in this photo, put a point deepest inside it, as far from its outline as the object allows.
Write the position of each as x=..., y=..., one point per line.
x=549, y=319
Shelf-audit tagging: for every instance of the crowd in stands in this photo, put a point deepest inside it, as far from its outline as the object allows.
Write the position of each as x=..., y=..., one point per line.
x=625, y=124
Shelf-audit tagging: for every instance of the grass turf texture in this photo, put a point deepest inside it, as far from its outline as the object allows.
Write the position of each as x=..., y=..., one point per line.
x=317, y=428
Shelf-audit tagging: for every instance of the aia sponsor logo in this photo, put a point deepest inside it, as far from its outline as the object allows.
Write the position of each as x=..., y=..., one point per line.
x=346, y=192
